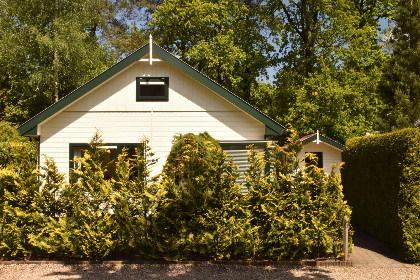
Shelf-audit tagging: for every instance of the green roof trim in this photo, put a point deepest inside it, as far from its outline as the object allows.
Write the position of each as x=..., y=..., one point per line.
x=323, y=139
x=29, y=128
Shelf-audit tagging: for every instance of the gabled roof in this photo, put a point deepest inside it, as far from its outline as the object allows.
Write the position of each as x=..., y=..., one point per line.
x=312, y=137
x=29, y=128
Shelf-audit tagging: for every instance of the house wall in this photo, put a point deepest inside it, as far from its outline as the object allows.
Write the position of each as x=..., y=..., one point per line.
x=330, y=154
x=112, y=108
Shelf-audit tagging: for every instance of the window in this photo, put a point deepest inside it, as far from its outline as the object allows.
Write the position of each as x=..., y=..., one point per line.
x=319, y=156
x=109, y=159
x=238, y=152
x=152, y=88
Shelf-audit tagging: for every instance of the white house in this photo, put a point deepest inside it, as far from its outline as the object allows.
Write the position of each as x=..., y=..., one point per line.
x=327, y=150
x=152, y=94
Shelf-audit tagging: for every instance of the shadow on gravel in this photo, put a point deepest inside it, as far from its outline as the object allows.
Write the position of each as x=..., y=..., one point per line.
x=364, y=240
x=187, y=271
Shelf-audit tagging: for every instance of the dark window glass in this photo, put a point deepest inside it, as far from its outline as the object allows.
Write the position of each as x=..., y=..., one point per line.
x=152, y=90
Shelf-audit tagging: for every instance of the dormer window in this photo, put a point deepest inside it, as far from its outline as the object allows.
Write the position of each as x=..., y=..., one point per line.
x=152, y=88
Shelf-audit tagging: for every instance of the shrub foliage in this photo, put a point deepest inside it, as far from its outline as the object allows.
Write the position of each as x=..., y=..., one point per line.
x=381, y=179
x=194, y=208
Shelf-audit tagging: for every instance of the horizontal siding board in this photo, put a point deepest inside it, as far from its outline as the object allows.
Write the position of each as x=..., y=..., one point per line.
x=112, y=108
x=122, y=127
x=185, y=94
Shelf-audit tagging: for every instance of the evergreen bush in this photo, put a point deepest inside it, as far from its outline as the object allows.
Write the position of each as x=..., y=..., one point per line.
x=194, y=208
x=201, y=211
x=135, y=201
x=19, y=190
x=296, y=213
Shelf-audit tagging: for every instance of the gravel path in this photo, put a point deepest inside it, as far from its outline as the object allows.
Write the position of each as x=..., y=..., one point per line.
x=200, y=271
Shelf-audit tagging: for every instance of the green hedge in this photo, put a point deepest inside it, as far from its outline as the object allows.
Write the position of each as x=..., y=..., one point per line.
x=381, y=179
x=193, y=209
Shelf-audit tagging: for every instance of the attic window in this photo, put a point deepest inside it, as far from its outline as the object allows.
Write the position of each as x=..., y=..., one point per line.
x=152, y=88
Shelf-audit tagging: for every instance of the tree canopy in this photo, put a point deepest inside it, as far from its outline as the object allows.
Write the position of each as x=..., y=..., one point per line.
x=318, y=64
x=400, y=86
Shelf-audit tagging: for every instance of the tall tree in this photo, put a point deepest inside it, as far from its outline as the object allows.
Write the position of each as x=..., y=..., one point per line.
x=223, y=39
x=330, y=65
x=124, y=24
x=48, y=48
x=400, y=87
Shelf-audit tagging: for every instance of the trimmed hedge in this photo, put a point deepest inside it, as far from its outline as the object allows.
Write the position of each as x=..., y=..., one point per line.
x=381, y=179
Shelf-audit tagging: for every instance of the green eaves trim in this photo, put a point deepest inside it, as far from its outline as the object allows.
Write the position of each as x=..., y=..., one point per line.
x=269, y=131
x=324, y=139
x=26, y=129
x=273, y=127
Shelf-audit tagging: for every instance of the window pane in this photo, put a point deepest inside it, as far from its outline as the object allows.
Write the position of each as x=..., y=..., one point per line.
x=109, y=161
x=152, y=90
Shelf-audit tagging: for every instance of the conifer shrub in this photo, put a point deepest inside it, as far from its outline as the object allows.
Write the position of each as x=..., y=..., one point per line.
x=201, y=211
x=19, y=189
x=94, y=217
x=83, y=225
x=14, y=147
x=194, y=208
x=382, y=183
x=296, y=213
x=135, y=201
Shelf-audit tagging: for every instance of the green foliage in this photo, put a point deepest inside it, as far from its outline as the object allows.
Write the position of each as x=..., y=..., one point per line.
x=296, y=213
x=201, y=211
x=227, y=223
x=14, y=148
x=222, y=39
x=19, y=190
x=136, y=198
x=381, y=183
x=48, y=50
x=330, y=67
x=195, y=209
x=89, y=221
x=400, y=85
x=50, y=209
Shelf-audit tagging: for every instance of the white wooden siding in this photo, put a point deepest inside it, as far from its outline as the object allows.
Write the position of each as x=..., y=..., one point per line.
x=112, y=108
x=330, y=154
x=185, y=94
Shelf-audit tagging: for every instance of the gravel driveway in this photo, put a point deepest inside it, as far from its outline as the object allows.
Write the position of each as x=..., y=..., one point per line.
x=198, y=271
